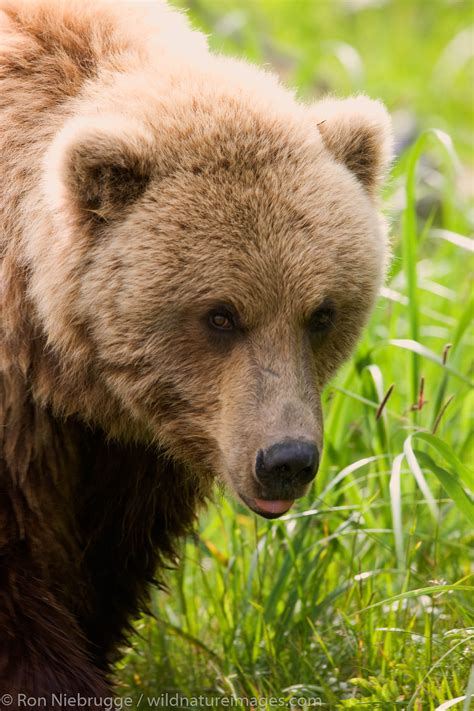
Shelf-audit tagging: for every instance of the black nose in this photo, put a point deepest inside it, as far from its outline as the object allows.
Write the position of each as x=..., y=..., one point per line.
x=291, y=461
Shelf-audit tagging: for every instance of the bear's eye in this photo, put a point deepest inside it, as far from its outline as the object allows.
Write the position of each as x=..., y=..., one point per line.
x=221, y=320
x=322, y=319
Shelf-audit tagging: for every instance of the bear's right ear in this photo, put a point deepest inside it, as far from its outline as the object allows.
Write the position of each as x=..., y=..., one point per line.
x=99, y=166
x=358, y=133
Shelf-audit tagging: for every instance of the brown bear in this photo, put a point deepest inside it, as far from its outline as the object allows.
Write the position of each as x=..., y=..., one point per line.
x=187, y=253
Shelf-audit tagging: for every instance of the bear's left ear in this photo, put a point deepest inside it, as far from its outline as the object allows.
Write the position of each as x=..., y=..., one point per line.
x=97, y=166
x=358, y=133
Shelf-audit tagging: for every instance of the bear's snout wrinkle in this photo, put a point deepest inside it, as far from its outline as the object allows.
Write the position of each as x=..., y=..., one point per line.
x=290, y=463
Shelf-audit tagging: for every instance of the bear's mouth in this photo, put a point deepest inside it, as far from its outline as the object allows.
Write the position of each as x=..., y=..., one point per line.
x=268, y=508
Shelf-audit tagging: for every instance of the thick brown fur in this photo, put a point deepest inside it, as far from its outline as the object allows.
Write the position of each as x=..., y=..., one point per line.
x=145, y=180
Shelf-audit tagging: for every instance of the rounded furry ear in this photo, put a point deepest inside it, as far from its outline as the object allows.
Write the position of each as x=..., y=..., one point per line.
x=99, y=165
x=358, y=132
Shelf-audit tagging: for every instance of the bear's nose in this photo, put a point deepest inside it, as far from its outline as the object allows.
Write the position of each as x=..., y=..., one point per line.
x=289, y=462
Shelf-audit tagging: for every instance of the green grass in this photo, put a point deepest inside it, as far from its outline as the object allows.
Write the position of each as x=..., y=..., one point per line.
x=363, y=597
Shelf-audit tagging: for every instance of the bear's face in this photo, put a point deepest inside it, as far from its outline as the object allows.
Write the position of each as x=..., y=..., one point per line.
x=221, y=284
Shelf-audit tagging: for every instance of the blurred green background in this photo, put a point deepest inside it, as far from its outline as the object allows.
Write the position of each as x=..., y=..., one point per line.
x=363, y=598
x=416, y=55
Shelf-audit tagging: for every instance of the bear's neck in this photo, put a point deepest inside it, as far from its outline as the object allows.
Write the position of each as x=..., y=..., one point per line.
x=105, y=510
x=108, y=514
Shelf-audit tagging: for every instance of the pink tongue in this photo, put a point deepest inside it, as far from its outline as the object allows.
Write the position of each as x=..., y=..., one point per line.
x=274, y=507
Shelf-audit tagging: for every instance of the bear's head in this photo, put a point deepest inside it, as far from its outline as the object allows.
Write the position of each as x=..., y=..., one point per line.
x=217, y=265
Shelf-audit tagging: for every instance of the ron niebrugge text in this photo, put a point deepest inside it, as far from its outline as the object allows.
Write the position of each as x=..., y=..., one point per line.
x=166, y=700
